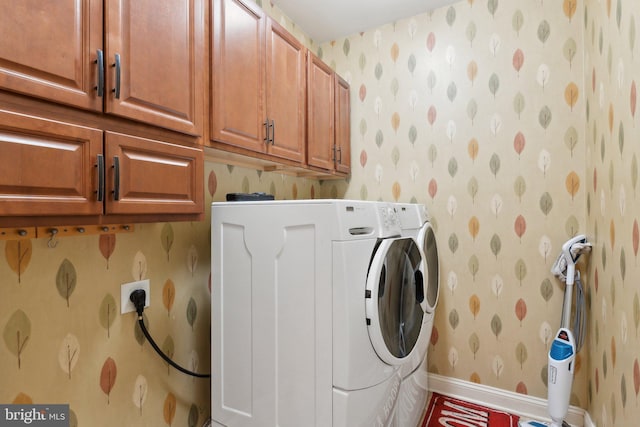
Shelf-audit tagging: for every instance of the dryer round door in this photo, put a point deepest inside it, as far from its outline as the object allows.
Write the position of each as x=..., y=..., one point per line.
x=427, y=242
x=395, y=299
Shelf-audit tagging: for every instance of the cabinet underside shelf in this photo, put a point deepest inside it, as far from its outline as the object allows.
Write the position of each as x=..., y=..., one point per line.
x=54, y=232
x=236, y=159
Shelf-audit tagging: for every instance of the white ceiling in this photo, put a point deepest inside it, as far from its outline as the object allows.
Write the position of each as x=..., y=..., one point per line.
x=327, y=20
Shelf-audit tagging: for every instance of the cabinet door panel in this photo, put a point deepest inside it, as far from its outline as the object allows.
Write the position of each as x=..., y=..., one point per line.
x=237, y=91
x=320, y=113
x=154, y=177
x=286, y=92
x=343, y=126
x=161, y=49
x=48, y=49
x=47, y=167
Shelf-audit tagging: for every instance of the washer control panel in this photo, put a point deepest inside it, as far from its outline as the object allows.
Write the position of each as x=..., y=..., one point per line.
x=389, y=217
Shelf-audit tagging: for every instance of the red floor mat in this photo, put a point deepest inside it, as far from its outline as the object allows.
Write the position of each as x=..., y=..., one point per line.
x=444, y=411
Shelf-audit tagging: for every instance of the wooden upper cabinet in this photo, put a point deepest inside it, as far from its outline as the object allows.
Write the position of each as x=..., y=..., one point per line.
x=343, y=126
x=258, y=89
x=51, y=168
x=48, y=167
x=48, y=49
x=237, y=91
x=320, y=114
x=286, y=93
x=148, y=60
x=146, y=176
x=147, y=63
x=154, y=62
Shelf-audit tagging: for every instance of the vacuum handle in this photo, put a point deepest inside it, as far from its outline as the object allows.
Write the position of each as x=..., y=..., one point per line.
x=571, y=274
x=568, y=296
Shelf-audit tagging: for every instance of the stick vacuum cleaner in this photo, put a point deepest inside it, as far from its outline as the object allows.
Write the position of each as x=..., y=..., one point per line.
x=569, y=338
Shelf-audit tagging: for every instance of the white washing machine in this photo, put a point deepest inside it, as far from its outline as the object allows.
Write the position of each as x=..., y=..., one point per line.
x=310, y=312
x=413, y=393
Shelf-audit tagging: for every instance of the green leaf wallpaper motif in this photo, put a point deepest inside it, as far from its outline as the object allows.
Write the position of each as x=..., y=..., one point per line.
x=168, y=348
x=108, y=312
x=192, y=420
x=137, y=330
x=16, y=334
x=166, y=238
x=66, y=280
x=192, y=312
x=192, y=258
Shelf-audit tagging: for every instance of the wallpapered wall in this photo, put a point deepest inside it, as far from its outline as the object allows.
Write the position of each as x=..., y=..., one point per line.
x=64, y=341
x=612, y=73
x=477, y=110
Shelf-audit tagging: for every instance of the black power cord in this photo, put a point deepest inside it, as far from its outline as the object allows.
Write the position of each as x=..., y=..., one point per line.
x=138, y=297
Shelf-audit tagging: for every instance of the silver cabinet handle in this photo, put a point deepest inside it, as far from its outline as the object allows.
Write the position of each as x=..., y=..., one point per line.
x=116, y=178
x=100, y=190
x=273, y=132
x=118, y=66
x=100, y=64
x=266, y=129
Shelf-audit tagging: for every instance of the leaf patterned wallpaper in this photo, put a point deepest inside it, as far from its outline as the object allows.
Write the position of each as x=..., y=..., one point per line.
x=612, y=71
x=478, y=111
x=514, y=122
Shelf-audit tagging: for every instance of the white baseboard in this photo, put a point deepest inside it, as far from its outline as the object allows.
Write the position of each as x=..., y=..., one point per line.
x=587, y=420
x=515, y=403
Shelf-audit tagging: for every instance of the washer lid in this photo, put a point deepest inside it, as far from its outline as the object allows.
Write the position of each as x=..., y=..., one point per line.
x=427, y=242
x=395, y=299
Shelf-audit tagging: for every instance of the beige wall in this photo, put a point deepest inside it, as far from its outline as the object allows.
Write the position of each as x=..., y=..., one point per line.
x=612, y=74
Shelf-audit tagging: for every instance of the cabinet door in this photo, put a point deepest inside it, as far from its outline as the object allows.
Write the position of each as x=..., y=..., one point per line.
x=152, y=177
x=155, y=62
x=237, y=90
x=343, y=126
x=48, y=167
x=286, y=93
x=320, y=113
x=48, y=49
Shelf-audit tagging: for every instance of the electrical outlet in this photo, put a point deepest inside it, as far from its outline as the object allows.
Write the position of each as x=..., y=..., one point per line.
x=126, y=305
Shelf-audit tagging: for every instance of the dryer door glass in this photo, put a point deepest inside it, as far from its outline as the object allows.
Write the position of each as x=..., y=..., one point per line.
x=400, y=297
x=433, y=273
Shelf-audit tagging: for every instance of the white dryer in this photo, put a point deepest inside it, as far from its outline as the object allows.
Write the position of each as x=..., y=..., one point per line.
x=310, y=312
x=413, y=393
x=378, y=309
